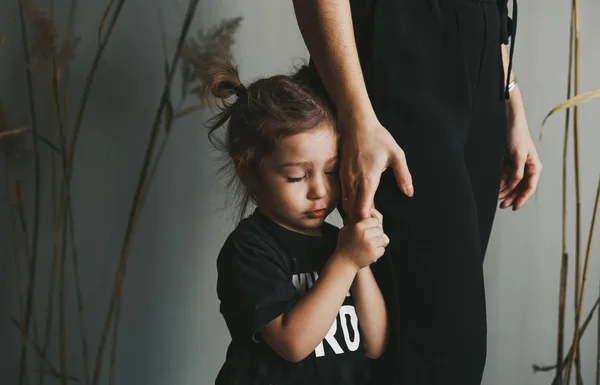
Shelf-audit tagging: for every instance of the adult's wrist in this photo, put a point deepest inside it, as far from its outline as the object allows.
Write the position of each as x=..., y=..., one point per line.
x=515, y=108
x=357, y=117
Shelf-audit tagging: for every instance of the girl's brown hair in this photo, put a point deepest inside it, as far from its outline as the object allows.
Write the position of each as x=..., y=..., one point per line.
x=262, y=114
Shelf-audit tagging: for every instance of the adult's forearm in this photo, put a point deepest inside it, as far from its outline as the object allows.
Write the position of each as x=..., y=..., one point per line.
x=326, y=26
x=514, y=104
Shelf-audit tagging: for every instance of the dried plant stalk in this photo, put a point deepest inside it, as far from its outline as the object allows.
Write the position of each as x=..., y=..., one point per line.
x=60, y=62
x=196, y=55
x=573, y=102
x=49, y=368
x=55, y=253
x=50, y=302
x=565, y=361
x=71, y=145
x=24, y=229
x=13, y=131
x=56, y=230
x=58, y=59
x=582, y=290
x=574, y=355
x=598, y=349
x=15, y=236
x=46, y=50
x=103, y=20
x=62, y=227
x=589, y=249
x=37, y=196
x=577, y=350
x=138, y=204
x=565, y=255
x=21, y=216
x=112, y=378
x=84, y=344
x=61, y=305
x=87, y=88
x=564, y=269
x=64, y=211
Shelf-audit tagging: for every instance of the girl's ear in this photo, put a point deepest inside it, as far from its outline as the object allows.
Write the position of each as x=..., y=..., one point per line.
x=245, y=173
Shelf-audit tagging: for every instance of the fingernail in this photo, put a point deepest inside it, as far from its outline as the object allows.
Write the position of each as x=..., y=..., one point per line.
x=410, y=190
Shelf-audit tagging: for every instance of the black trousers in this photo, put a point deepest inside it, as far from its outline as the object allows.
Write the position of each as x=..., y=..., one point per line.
x=435, y=78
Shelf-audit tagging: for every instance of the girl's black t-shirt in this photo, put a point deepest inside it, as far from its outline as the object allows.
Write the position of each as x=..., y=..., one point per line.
x=263, y=270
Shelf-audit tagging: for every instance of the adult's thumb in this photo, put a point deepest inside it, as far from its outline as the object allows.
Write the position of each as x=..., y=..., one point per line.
x=402, y=174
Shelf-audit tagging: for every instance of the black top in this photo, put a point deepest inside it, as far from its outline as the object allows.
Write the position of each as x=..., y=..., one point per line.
x=263, y=269
x=364, y=15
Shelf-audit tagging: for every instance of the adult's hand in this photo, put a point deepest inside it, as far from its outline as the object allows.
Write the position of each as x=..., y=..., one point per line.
x=522, y=166
x=368, y=149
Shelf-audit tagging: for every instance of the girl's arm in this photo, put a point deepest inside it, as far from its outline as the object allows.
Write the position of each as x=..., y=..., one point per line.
x=295, y=334
x=371, y=311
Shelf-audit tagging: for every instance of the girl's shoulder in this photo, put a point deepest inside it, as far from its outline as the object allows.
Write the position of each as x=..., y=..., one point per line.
x=252, y=240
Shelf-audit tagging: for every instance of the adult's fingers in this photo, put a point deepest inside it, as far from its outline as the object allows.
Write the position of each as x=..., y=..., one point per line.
x=508, y=201
x=504, y=193
x=532, y=178
x=366, y=189
x=504, y=190
x=518, y=170
x=344, y=196
x=402, y=173
x=347, y=181
x=502, y=183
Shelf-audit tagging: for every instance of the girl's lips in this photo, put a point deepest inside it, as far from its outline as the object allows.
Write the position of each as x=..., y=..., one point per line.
x=318, y=213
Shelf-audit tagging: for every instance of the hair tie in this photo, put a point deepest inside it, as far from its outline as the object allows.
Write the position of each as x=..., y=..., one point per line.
x=240, y=90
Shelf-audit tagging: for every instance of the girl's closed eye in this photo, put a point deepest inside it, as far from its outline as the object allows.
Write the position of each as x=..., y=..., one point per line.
x=295, y=179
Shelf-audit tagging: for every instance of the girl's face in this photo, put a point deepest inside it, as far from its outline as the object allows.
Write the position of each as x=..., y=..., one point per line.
x=299, y=185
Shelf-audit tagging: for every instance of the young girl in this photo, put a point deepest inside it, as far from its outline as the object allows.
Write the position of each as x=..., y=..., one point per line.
x=297, y=294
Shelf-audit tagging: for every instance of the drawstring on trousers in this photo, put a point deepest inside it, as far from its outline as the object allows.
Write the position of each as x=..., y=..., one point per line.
x=506, y=25
x=512, y=48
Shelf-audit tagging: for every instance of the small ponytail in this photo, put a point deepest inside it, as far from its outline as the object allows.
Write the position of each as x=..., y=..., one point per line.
x=221, y=83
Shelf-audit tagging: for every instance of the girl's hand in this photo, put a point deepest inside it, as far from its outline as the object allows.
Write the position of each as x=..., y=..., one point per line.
x=363, y=243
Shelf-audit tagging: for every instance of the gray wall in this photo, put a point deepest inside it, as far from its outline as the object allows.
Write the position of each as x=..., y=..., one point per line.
x=171, y=330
